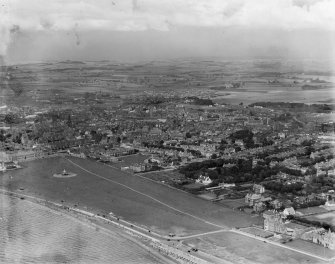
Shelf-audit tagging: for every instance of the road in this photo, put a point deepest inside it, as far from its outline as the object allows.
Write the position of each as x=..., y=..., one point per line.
x=222, y=228
x=140, y=175
x=151, y=235
x=149, y=172
x=176, y=253
x=280, y=245
x=148, y=196
x=198, y=235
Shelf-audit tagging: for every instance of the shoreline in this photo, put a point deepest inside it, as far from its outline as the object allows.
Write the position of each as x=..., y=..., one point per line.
x=142, y=235
x=162, y=251
x=83, y=218
x=154, y=246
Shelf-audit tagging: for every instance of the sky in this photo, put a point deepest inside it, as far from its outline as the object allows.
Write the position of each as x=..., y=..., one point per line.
x=131, y=30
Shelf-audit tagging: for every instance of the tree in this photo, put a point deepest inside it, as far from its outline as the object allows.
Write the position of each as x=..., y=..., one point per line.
x=214, y=156
x=11, y=118
x=245, y=165
x=213, y=174
x=16, y=86
x=311, y=170
x=17, y=138
x=307, y=143
x=188, y=135
x=2, y=135
x=69, y=121
x=224, y=142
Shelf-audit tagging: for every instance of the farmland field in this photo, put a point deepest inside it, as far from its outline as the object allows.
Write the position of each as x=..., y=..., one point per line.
x=260, y=92
x=41, y=82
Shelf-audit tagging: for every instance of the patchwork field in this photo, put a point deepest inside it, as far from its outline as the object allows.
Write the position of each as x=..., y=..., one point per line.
x=38, y=83
x=279, y=94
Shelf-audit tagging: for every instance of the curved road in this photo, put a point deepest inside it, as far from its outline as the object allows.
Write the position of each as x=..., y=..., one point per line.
x=148, y=196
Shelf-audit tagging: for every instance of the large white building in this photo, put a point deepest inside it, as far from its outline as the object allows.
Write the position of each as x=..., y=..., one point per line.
x=205, y=180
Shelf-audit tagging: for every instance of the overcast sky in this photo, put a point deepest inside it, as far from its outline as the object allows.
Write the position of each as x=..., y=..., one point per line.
x=130, y=30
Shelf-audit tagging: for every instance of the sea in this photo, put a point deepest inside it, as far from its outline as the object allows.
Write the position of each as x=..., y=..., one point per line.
x=33, y=233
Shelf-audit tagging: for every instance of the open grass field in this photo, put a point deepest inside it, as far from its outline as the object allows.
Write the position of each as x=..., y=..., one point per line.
x=244, y=250
x=311, y=210
x=257, y=232
x=312, y=248
x=133, y=198
x=130, y=160
x=207, y=196
x=232, y=203
x=166, y=176
x=328, y=218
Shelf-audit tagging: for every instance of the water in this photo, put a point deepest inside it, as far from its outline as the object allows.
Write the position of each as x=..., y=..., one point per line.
x=31, y=233
x=127, y=196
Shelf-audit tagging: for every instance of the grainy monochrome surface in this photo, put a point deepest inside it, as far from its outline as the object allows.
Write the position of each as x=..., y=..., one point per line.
x=167, y=131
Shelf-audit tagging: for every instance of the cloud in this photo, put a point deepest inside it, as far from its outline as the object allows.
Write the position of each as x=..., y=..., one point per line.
x=14, y=29
x=135, y=5
x=144, y=14
x=140, y=15
x=305, y=3
x=232, y=8
x=4, y=30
